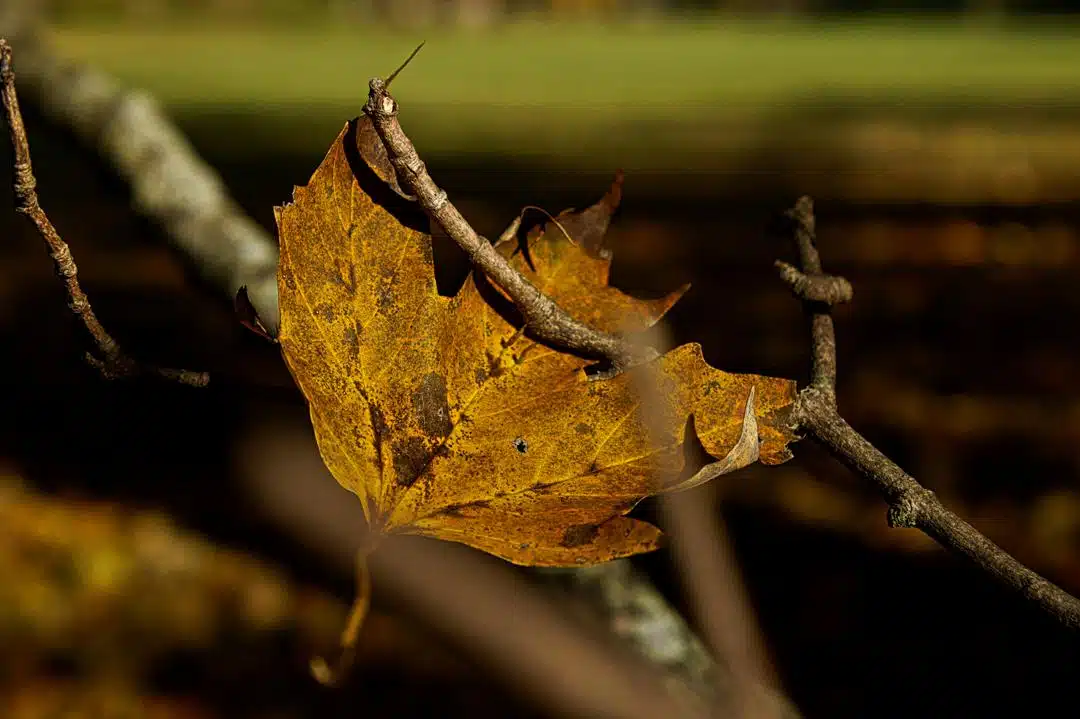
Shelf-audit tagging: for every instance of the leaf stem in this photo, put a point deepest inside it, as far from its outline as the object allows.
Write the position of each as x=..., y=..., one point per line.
x=350, y=635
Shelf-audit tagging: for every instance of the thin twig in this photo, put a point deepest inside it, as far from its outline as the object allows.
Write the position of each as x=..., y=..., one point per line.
x=544, y=318
x=170, y=183
x=813, y=287
x=112, y=362
x=173, y=186
x=548, y=321
x=910, y=504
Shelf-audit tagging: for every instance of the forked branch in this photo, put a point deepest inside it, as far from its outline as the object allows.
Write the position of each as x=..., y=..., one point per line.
x=111, y=360
x=142, y=145
x=910, y=504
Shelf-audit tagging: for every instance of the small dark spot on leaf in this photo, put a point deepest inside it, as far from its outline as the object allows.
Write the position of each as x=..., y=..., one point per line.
x=346, y=280
x=521, y=445
x=594, y=467
x=385, y=298
x=410, y=459
x=432, y=410
x=481, y=375
x=352, y=341
x=455, y=510
x=378, y=419
x=324, y=312
x=541, y=487
x=580, y=534
x=378, y=426
x=582, y=428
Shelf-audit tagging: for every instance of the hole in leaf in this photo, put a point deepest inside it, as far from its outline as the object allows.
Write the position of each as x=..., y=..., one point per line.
x=592, y=371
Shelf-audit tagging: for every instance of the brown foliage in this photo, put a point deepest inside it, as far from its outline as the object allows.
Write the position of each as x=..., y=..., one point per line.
x=447, y=419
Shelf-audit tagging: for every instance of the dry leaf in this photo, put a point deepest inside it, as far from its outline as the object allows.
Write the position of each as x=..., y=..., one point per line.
x=447, y=421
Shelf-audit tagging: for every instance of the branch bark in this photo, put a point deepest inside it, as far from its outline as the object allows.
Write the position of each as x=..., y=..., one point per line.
x=170, y=183
x=173, y=186
x=113, y=362
x=743, y=693
x=543, y=317
x=910, y=504
x=637, y=614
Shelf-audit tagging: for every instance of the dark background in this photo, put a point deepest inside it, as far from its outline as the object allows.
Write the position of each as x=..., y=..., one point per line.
x=957, y=357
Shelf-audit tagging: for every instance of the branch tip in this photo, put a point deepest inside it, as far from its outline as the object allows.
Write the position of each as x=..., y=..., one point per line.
x=910, y=504
x=6, y=74
x=110, y=360
x=544, y=318
x=386, y=85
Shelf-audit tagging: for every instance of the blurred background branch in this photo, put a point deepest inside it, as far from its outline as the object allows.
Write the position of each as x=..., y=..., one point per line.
x=941, y=143
x=172, y=186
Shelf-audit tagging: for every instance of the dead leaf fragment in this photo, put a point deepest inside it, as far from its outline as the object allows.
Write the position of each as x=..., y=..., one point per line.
x=447, y=420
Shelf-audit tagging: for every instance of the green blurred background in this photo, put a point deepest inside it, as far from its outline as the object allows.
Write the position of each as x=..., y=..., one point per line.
x=941, y=142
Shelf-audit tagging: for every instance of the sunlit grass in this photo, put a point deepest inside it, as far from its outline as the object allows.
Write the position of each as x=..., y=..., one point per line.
x=649, y=94
x=617, y=67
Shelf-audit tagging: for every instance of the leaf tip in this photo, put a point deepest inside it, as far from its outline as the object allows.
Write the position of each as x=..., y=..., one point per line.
x=245, y=312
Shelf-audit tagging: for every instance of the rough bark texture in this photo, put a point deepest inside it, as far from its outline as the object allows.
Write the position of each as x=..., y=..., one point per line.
x=110, y=360
x=172, y=185
x=910, y=504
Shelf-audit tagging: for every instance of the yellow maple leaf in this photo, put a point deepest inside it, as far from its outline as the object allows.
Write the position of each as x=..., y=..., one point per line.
x=447, y=420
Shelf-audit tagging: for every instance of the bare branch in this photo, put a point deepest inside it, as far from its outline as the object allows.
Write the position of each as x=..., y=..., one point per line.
x=910, y=504
x=544, y=317
x=112, y=362
x=612, y=586
x=170, y=183
x=823, y=374
x=175, y=187
x=638, y=614
x=815, y=288
x=720, y=605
